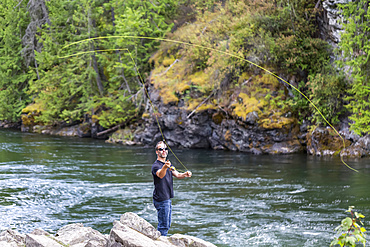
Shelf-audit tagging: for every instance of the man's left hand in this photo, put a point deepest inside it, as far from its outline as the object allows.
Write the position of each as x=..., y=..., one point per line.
x=188, y=174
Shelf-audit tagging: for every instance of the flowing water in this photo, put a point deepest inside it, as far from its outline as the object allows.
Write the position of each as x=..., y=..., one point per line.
x=233, y=199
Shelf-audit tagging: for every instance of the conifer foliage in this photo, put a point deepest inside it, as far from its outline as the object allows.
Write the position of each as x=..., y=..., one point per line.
x=98, y=84
x=14, y=74
x=355, y=46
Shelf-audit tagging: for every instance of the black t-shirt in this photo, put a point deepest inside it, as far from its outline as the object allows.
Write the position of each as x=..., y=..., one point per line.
x=163, y=188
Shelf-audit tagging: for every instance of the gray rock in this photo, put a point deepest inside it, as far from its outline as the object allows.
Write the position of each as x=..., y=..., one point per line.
x=349, y=134
x=359, y=149
x=122, y=235
x=12, y=238
x=323, y=141
x=137, y=223
x=252, y=117
x=188, y=241
x=364, y=143
x=289, y=147
x=40, y=232
x=33, y=240
x=78, y=235
x=331, y=21
x=353, y=152
x=9, y=244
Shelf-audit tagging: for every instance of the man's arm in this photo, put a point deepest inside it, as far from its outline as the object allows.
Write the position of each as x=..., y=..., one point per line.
x=181, y=175
x=162, y=172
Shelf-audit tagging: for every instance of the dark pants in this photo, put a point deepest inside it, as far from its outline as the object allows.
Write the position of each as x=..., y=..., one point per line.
x=164, y=210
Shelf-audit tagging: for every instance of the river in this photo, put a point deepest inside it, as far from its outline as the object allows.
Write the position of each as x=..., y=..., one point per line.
x=233, y=199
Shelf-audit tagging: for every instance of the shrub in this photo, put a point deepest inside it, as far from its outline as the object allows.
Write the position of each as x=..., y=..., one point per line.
x=350, y=232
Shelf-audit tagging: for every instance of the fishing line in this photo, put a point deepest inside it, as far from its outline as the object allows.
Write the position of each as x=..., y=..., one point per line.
x=146, y=92
x=156, y=117
x=202, y=47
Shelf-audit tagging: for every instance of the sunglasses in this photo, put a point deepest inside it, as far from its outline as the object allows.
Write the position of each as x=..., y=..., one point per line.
x=161, y=149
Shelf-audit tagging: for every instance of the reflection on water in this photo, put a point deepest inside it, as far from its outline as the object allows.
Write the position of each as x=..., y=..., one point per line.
x=233, y=199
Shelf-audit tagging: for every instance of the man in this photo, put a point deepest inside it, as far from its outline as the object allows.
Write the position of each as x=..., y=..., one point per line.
x=162, y=172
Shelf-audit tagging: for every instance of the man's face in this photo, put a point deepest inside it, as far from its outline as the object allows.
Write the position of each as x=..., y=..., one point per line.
x=162, y=150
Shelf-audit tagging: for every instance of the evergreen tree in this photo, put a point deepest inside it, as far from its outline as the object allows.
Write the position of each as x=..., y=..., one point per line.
x=355, y=47
x=14, y=73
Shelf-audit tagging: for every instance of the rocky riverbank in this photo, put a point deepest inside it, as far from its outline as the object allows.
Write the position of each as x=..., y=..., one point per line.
x=130, y=231
x=211, y=129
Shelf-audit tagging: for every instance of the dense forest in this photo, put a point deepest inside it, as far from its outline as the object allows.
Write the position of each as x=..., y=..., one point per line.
x=126, y=45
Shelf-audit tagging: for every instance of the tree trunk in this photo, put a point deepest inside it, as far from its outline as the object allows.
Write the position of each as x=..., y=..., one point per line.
x=39, y=16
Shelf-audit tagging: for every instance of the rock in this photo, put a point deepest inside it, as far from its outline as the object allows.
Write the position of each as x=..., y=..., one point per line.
x=10, y=238
x=188, y=241
x=6, y=244
x=359, y=149
x=40, y=232
x=84, y=130
x=122, y=235
x=217, y=129
x=288, y=147
x=353, y=152
x=331, y=20
x=7, y=124
x=324, y=141
x=68, y=131
x=364, y=143
x=252, y=117
x=78, y=235
x=122, y=136
x=349, y=134
x=137, y=223
x=33, y=240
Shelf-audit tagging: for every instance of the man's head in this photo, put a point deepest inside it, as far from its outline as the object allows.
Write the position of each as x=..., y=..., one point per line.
x=161, y=149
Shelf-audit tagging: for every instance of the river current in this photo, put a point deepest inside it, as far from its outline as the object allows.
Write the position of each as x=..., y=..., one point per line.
x=233, y=199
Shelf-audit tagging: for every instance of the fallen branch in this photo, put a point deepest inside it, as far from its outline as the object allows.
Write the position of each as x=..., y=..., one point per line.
x=169, y=67
x=114, y=128
x=204, y=101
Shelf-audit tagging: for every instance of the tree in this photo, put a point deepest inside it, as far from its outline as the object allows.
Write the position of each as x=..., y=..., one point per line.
x=14, y=73
x=355, y=48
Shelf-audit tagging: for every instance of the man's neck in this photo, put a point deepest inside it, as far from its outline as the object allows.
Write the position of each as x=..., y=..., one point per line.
x=161, y=159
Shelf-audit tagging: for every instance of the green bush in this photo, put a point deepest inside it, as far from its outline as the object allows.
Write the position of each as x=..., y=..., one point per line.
x=326, y=92
x=350, y=232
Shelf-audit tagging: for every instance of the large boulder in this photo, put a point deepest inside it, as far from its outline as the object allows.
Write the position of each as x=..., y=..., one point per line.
x=123, y=236
x=33, y=240
x=139, y=224
x=80, y=236
x=10, y=238
x=41, y=238
x=324, y=141
x=188, y=241
x=359, y=149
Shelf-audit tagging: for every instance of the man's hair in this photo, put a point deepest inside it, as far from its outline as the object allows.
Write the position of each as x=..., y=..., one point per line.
x=160, y=142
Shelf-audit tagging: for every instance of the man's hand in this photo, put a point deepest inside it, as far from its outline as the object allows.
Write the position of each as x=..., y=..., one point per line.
x=178, y=175
x=162, y=172
x=188, y=174
x=167, y=165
